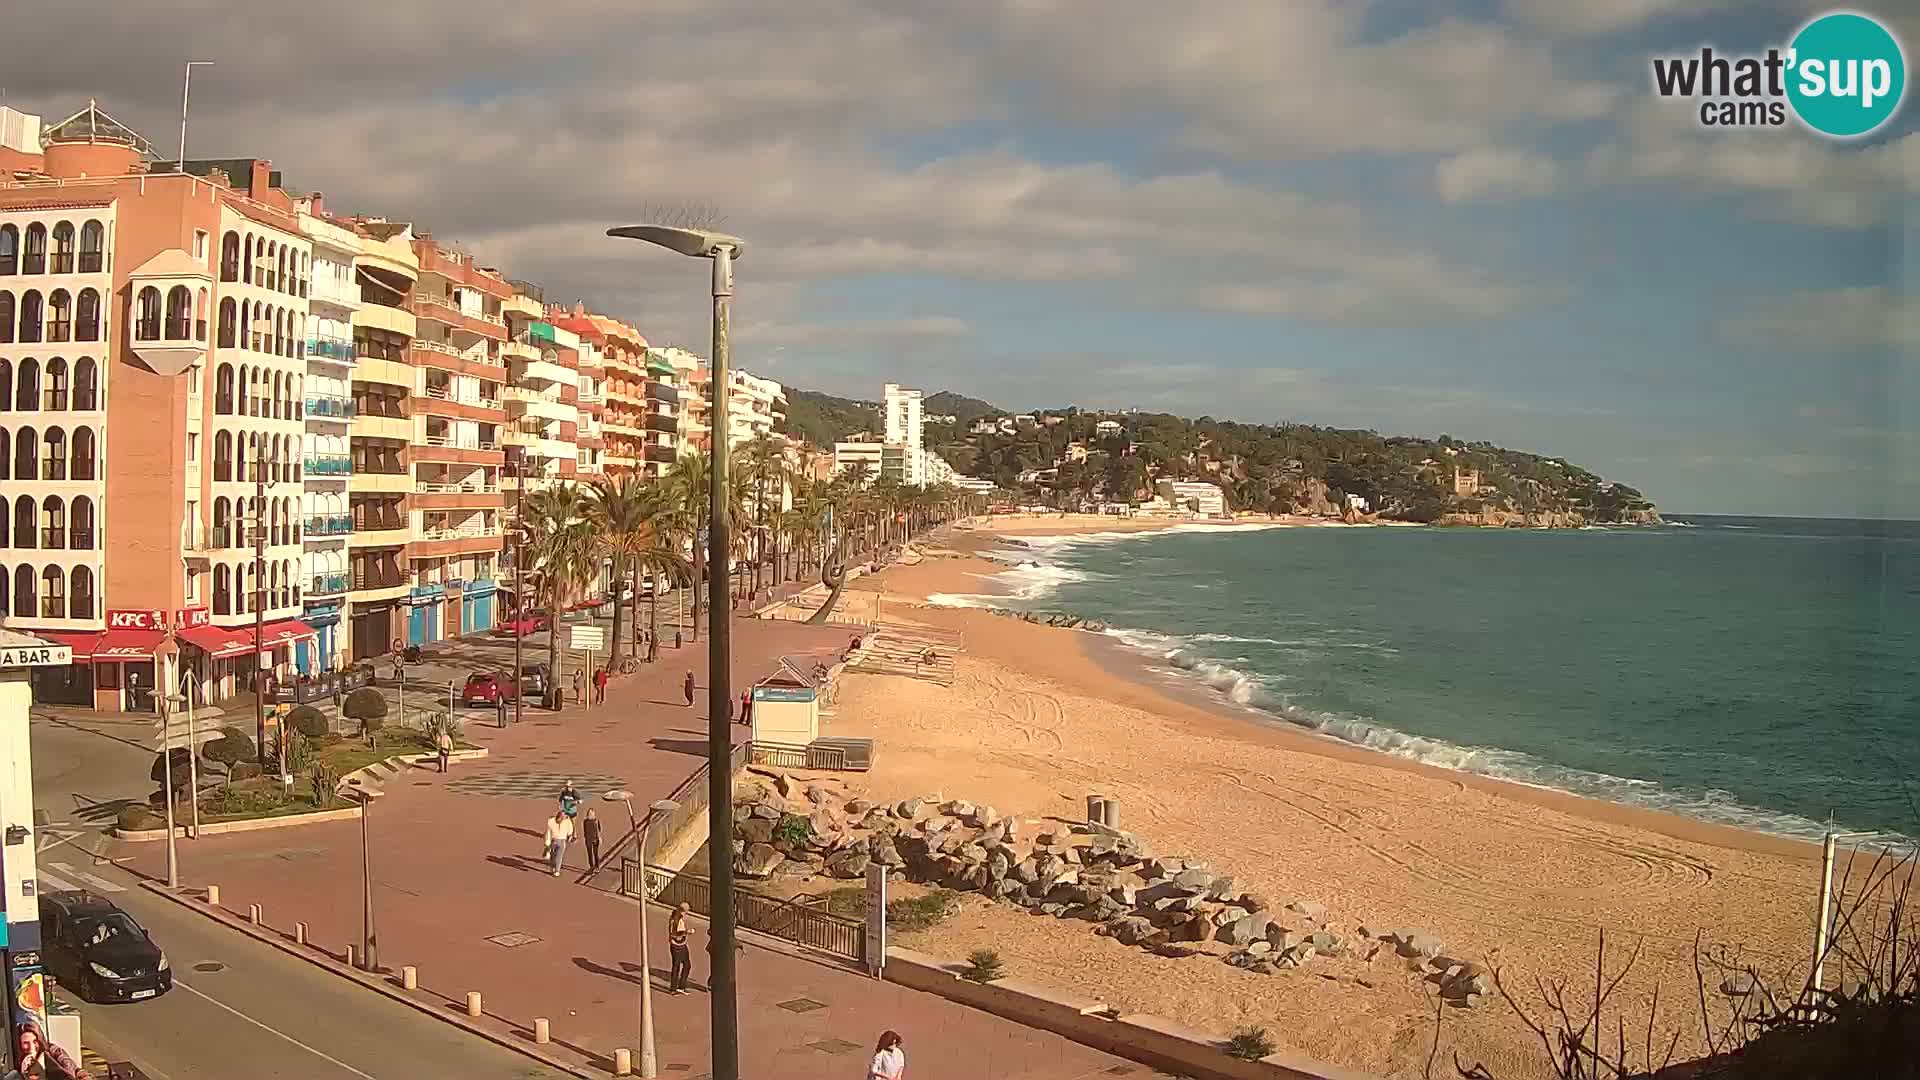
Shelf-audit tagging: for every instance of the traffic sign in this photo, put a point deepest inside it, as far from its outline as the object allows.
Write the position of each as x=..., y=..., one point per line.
x=588, y=637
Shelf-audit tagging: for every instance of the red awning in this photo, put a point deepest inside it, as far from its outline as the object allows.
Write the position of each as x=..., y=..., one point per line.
x=217, y=642
x=82, y=643
x=128, y=645
x=282, y=633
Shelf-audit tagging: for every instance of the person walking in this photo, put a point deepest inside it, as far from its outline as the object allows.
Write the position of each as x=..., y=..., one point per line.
x=677, y=949
x=569, y=801
x=38, y=1059
x=600, y=678
x=687, y=687
x=580, y=686
x=676, y=639
x=559, y=831
x=590, y=832
x=889, y=1061
x=746, y=706
x=443, y=746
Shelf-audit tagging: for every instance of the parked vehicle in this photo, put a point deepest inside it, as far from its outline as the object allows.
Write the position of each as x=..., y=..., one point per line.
x=534, y=679
x=531, y=622
x=98, y=951
x=487, y=688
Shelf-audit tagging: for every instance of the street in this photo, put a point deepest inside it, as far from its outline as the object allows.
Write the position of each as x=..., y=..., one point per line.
x=239, y=1009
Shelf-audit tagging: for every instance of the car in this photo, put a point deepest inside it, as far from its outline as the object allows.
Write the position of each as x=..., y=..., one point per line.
x=487, y=688
x=98, y=951
x=531, y=622
x=534, y=679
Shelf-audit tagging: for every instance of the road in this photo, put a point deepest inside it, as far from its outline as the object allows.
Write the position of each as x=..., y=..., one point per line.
x=240, y=1010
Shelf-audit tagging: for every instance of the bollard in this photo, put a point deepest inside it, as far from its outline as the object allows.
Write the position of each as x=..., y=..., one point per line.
x=409, y=978
x=350, y=962
x=1096, y=809
x=299, y=933
x=253, y=914
x=542, y=1031
x=473, y=1003
x=213, y=896
x=623, y=1062
x=1110, y=814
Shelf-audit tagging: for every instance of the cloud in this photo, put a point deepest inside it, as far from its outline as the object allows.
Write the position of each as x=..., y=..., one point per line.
x=1866, y=317
x=1494, y=173
x=877, y=330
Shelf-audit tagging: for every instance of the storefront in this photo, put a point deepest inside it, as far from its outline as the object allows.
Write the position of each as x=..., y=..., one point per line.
x=476, y=607
x=112, y=670
x=423, y=614
x=228, y=660
x=374, y=631
x=320, y=655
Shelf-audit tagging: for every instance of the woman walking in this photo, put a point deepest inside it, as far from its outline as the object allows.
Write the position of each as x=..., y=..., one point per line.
x=677, y=949
x=559, y=831
x=889, y=1061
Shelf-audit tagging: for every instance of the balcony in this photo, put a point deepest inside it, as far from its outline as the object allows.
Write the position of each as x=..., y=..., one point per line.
x=520, y=349
x=380, y=483
x=363, y=582
x=329, y=524
x=331, y=406
x=662, y=454
x=327, y=465
x=548, y=371
x=328, y=584
x=468, y=487
x=463, y=532
x=339, y=350
x=660, y=422
x=659, y=391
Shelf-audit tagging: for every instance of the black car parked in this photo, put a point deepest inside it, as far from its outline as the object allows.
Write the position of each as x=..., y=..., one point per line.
x=98, y=951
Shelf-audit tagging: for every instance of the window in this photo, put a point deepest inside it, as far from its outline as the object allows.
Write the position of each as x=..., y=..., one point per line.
x=80, y=606
x=193, y=448
x=222, y=524
x=86, y=319
x=26, y=449
x=53, y=524
x=82, y=524
x=24, y=593
x=56, y=397
x=229, y=323
x=28, y=396
x=179, y=313
x=200, y=244
x=60, y=316
x=146, y=324
x=23, y=511
x=9, y=250
x=53, y=598
x=92, y=246
x=193, y=585
x=85, y=457
x=222, y=590
x=6, y=317
x=200, y=316
x=230, y=257
x=63, y=248
x=30, y=316
x=34, y=260
x=53, y=455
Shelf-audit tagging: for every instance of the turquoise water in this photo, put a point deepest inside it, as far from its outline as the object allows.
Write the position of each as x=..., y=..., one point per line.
x=1761, y=672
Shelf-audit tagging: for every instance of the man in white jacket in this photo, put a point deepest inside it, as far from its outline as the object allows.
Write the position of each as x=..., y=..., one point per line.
x=559, y=832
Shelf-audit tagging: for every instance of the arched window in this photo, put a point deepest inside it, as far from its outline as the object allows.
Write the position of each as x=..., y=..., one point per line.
x=6, y=317
x=179, y=313
x=86, y=319
x=223, y=390
x=246, y=326
x=56, y=392
x=229, y=323
x=222, y=524
x=9, y=250
x=223, y=455
x=246, y=251
x=80, y=604
x=230, y=257
x=306, y=273
x=85, y=454
x=23, y=523
x=146, y=322
x=278, y=281
x=200, y=316
x=30, y=316
x=26, y=448
x=6, y=456
x=86, y=385
x=53, y=593
x=82, y=538
x=53, y=454
x=24, y=597
x=260, y=262
x=35, y=258
x=62, y=248
x=60, y=316
x=222, y=590
x=53, y=524
x=27, y=397
x=6, y=388
x=259, y=326
x=6, y=530
x=93, y=245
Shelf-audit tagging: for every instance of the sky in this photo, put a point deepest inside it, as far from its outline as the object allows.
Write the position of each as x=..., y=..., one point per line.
x=1420, y=217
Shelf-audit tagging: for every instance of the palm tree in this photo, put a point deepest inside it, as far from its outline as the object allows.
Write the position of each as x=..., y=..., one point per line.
x=560, y=546
x=630, y=529
x=686, y=508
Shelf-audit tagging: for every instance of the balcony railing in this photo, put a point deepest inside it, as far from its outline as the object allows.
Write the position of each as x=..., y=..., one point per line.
x=329, y=524
x=329, y=584
x=338, y=406
x=329, y=464
x=331, y=348
x=368, y=582
x=470, y=487
x=466, y=532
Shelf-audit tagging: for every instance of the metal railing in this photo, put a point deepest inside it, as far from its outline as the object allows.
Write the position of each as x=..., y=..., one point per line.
x=795, y=756
x=334, y=405
x=469, y=487
x=331, y=348
x=328, y=584
x=789, y=920
x=463, y=533
x=329, y=524
x=329, y=464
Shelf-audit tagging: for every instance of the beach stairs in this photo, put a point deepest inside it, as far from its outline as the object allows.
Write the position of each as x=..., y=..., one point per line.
x=901, y=649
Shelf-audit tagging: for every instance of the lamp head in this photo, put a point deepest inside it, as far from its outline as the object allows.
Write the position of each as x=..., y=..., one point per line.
x=699, y=243
x=621, y=795
x=666, y=806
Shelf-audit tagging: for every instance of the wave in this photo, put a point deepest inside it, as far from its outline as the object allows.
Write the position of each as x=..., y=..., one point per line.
x=1258, y=693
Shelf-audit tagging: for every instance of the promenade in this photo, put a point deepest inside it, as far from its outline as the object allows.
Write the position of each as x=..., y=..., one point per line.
x=461, y=894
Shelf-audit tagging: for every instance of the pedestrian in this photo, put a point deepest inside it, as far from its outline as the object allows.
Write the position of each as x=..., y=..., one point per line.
x=746, y=706
x=39, y=1059
x=676, y=639
x=580, y=685
x=688, y=688
x=889, y=1061
x=677, y=948
x=559, y=831
x=569, y=801
x=590, y=832
x=443, y=745
x=600, y=686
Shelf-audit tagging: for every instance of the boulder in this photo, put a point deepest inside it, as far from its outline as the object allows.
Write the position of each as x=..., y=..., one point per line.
x=983, y=817
x=768, y=811
x=1280, y=939
x=742, y=811
x=1053, y=909
x=885, y=853
x=1131, y=930
x=875, y=819
x=1193, y=882
x=959, y=808
x=1126, y=892
x=817, y=795
x=851, y=863
x=759, y=860
x=1045, y=839
x=1010, y=830
x=999, y=864
x=1004, y=889
x=907, y=809
x=1244, y=930
x=756, y=830
x=1222, y=888
x=1324, y=941
x=972, y=878
x=1253, y=902
x=1422, y=946
x=1191, y=928
x=1259, y=947
x=1025, y=872
x=1166, y=866
x=1309, y=909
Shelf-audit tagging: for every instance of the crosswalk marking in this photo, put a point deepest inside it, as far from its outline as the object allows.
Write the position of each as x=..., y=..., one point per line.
x=99, y=883
x=50, y=883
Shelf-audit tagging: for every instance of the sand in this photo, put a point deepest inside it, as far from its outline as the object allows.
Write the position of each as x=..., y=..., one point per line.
x=1519, y=878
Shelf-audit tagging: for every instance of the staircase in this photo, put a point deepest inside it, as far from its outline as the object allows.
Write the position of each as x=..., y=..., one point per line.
x=901, y=649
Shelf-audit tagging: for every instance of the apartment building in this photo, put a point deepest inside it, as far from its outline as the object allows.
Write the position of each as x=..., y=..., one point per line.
x=380, y=487
x=327, y=461
x=754, y=406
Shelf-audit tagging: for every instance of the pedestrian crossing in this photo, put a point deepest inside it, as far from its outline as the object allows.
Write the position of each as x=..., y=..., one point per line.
x=68, y=875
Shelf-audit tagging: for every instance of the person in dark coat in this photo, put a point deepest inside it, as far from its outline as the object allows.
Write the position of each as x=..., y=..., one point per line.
x=688, y=688
x=590, y=831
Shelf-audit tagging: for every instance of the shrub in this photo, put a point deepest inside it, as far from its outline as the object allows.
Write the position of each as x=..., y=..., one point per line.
x=229, y=750
x=363, y=704
x=324, y=779
x=370, y=727
x=182, y=761
x=245, y=770
x=983, y=966
x=135, y=818
x=299, y=753
x=243, y=801
x=308, y=721
x=792, y=831
x=1250, y=1044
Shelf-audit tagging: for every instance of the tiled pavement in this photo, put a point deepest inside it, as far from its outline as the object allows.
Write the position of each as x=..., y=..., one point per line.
x=460, y=894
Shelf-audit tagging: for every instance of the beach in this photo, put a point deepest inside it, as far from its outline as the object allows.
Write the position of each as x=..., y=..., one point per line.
x=1519, y=878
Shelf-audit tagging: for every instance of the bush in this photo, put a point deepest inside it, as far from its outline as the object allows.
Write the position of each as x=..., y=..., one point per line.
x=245, y=770
x=983, y=966
x=243, y=801
x=906, y=914
x=229, y=750
x=182, y=762
x=324, y=779
x=1250, y=1044
x=364, y=704
x=792, y=831
x=308, y=721
x=135, y=818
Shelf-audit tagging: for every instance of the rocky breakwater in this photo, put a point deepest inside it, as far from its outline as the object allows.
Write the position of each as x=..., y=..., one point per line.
x=1064, y=619
x=1110, y=880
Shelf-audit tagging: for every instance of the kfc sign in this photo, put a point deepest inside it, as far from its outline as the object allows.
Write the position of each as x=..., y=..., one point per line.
x=124, y=619
x=190, y=617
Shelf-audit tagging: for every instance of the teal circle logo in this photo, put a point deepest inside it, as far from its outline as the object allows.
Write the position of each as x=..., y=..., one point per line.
x=1846, y=74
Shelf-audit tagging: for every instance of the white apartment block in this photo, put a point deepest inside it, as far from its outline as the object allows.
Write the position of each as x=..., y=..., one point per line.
x=905, y=424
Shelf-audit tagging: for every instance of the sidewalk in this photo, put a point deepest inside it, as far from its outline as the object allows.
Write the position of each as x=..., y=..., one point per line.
x=460, y=893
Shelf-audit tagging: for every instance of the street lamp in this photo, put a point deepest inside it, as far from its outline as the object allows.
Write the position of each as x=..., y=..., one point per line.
x=649, y=1062
x=368, y=939
x=722, y=250
x=166, y=758
x=181, y=700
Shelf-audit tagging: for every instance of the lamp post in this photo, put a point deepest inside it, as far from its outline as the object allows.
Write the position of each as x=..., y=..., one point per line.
x=721, y=249
x=166, y=757
x=649, y=1061
x=368, y=939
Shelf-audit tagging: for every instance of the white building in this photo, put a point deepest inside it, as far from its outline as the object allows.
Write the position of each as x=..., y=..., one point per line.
x=1107, y=427
x=905, y=426
x=1207, y=499
x=753, y=407
x=333, y=297
x=863, y=456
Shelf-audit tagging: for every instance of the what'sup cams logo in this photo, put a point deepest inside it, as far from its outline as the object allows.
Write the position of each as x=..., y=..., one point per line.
x=1843, y=75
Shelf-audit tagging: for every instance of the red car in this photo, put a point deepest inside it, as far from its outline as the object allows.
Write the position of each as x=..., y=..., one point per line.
x=488, y=688
x=530, y=623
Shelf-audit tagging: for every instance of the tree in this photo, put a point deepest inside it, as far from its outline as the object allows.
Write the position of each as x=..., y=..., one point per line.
x=308, y=721
x=230, y=749
x=561, y=549
x=369, y=706
x=628, y=519
x=688, y=495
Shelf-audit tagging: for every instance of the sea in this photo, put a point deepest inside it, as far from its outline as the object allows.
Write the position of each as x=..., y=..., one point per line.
x=1759, y=672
